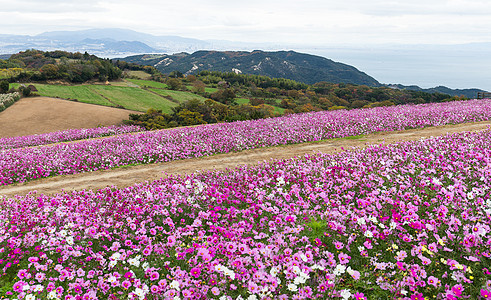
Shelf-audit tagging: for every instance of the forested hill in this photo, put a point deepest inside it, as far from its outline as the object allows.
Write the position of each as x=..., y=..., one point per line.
x=282, y=64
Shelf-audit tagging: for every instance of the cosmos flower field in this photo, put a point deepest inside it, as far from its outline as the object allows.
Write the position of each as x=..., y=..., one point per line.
x=405, y=221
x=25, y=164
x=64, y=136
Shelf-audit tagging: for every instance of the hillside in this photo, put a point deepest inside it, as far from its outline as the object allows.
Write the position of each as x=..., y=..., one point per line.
x=281, y=64
x=469, y=93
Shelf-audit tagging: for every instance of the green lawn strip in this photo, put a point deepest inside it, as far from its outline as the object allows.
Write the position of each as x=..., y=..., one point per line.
x=242, y=101
x=81, y=93
x=179, y=96
x=148, y=83
x=135, y=98
x=140, y=74
x=210, y=90
x=279, y=110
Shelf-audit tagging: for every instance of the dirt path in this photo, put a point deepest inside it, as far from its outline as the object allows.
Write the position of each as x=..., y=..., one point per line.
x=127, y=176
x=43, y=114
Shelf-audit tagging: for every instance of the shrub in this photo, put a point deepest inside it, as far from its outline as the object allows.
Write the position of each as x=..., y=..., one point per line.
x=4, y=86
x=8, y=99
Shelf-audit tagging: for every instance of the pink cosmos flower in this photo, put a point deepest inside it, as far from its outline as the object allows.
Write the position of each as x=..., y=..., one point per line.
x=338, y=245
x=356, y=275
x=433, y=281
x=18, y=286
x=147, y=251
x=359, y=296
x=485, y=294
x=195, y=272
x=126, y=284
x=171, y=241
x=154, y=276
x=253, y=287
x=186, y=293
x=40, y=276
x=290, y=219
x=418, y=296
x=457, y=290
x=344, y=258
x=22, y=274
x=215, y=291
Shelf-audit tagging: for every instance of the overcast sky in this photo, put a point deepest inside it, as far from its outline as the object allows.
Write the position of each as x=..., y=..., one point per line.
x=312, y=22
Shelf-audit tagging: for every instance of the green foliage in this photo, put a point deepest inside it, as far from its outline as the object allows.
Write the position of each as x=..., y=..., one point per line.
x=250, y=80
x=315, y=229
x=225, y=96
x=25, y=91
x=61, y=65
x=152, y=119
x=186, y=117
x=4, y=86
x=174, y=84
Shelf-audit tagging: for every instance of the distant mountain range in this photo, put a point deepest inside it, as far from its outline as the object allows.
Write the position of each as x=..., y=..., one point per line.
x=469, y=93
x=280, y=64
x=112, y=42
x=115, y=42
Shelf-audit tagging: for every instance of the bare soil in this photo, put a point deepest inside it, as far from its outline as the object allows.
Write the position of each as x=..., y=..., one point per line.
x=42, y=114
x=127, y=176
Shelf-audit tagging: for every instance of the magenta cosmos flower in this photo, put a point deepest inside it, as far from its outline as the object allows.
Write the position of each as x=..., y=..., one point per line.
x=195, y=272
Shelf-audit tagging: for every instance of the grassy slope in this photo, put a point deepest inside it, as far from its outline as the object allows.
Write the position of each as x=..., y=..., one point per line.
x=130, y=97
x=134, y=98
x=82, y=93
x=148, y=83
x=108, y=95
x=178, y=95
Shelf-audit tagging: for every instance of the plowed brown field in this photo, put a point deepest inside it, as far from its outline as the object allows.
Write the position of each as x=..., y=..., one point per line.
x=42, y=114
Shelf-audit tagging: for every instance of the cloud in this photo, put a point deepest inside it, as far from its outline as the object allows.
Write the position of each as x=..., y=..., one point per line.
x=50, y=7
x=287, y=21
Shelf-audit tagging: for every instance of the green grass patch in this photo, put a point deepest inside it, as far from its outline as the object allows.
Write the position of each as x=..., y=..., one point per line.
x=242, y=100
x=178, y=96
x=139, y=74
x=148, y=83
x=315, y=229
x=134, y=98
x=81, y=93
x=279, y=110
x=210, y=90
x=354, y=137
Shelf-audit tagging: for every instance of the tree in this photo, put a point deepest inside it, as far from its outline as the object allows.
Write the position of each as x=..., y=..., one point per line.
x=198, y=87
x=187, y=118
x=174, y=83
x=225, y=96
x=4, y=86
x=176, y=74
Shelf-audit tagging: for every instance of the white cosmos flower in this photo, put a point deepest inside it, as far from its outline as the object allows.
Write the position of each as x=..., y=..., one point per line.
x=292, y=287
x=346, y=294
x=340, y=269
x=174, y=285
